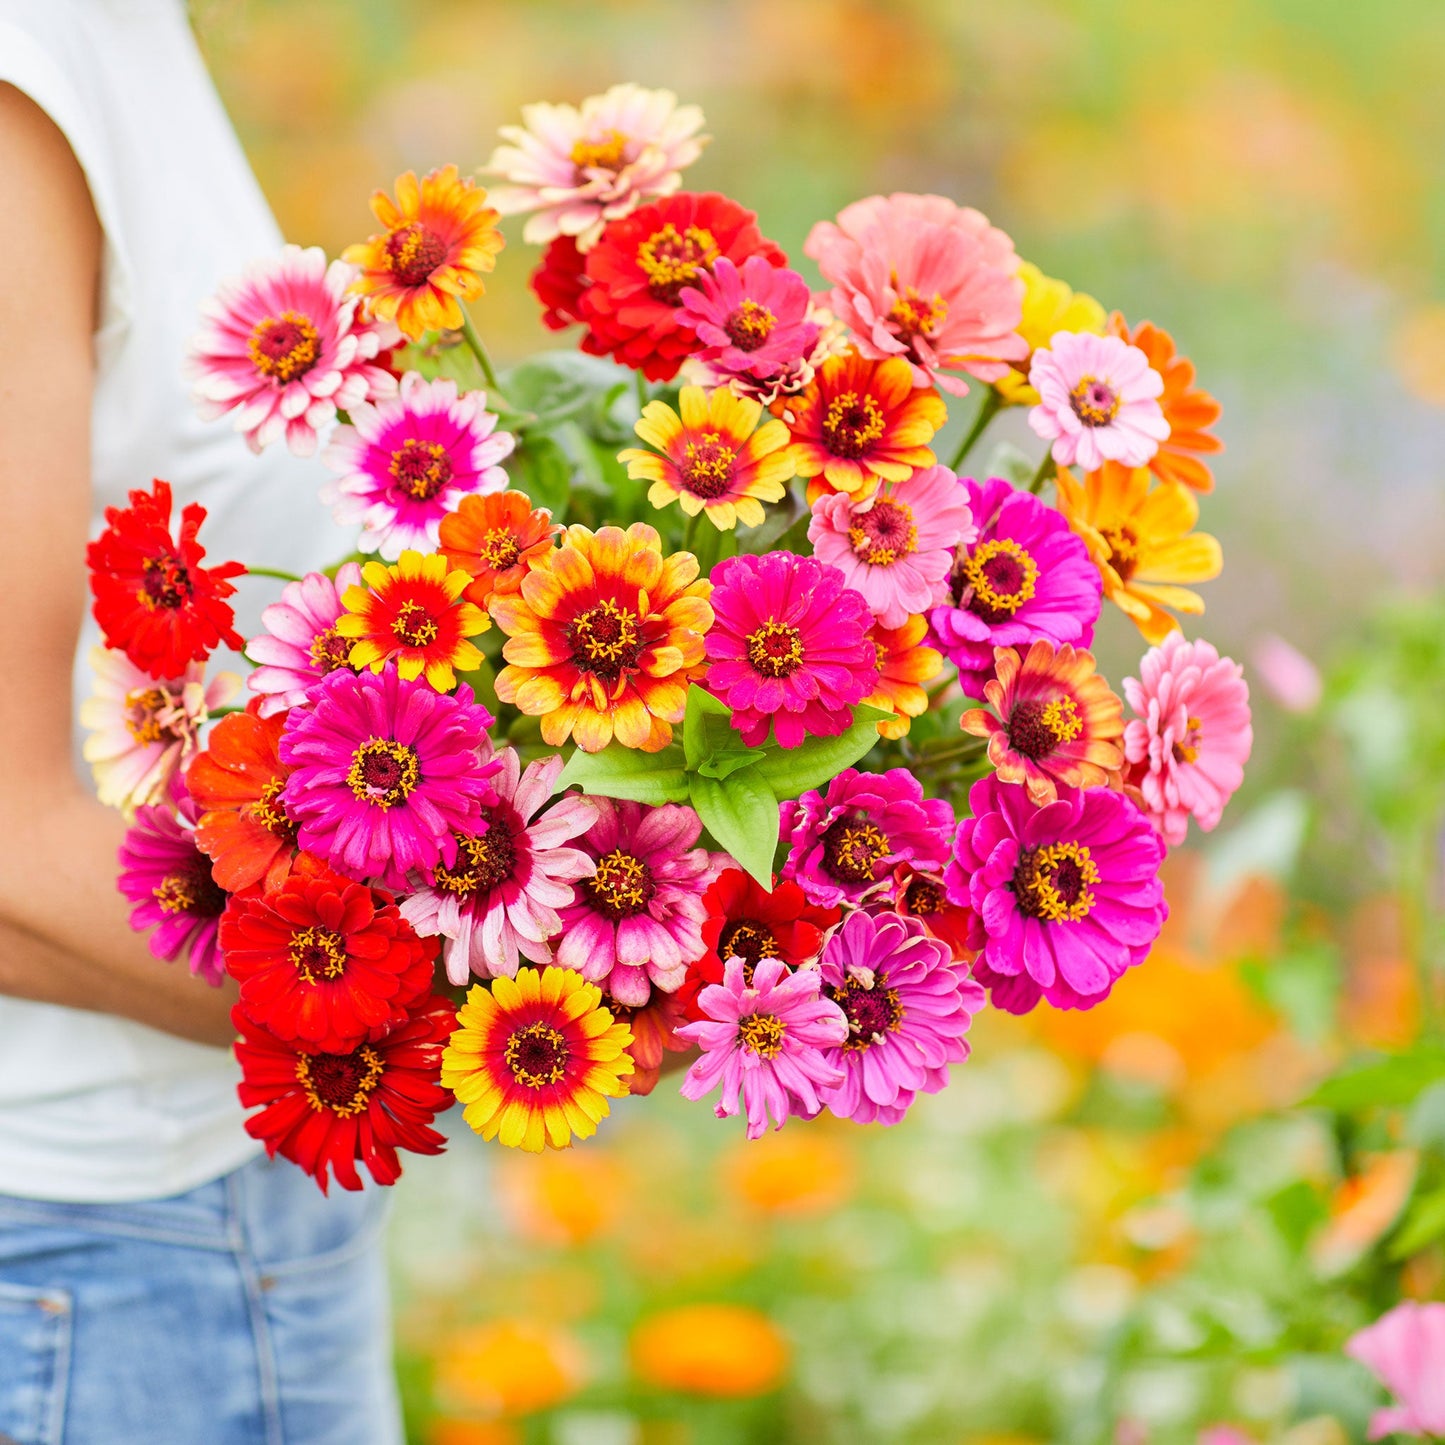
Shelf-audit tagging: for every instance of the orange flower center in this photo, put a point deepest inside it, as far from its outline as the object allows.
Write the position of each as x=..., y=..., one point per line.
x=750, y=325
x=190, y=891
x=383, y=773
x=623, y=885
x=852, y=424
x=1037, y=728
x=884, y=533
x=165, y=583
x=1188, y=750
x=537, y=1056
x=604, y=154
x=605, y=640
x=1095, y=402
x=762, y=1033
x=1123, y=544
x=913, y=316
x=1053, y=883
x=872, y=1012
x=421, y=469
x=342, y=1083
x=995, y=579
x=284, y=347
x=923, y=896
x=499, y=549
x=268, y=813
x=707, y=468
x=413, y=625
x=671, y=260
x=483, y=860
x=413, y=252
x=317, y=953
x=143, y=706
x=749, y=940
x=329, y=650
x=775, y=649
x=851, y=850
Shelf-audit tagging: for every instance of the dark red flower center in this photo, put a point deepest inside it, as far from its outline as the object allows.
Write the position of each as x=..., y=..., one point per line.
x=329, y=650
x=499, y=549
x=1052, y=883
x=923, y=896
x=413, y=253
x=421, y=469
x=165, y=582
x=192, y=891
x=852, y=424
x=763, y=1034
x=994, y=580
x=483, y=860
x=750, y=325
x=414, y=625
x=383, y=773
x=775, y=649
x=1094, y=402
x=852, y=847
x=884, y=533
x=1037, y=727
x=707, y=467
x=750, y=940
x=912, y=316
x=317, y=954
x=537, y=1055
x=622, y=886
x=605, y=640
x=342, y=1083
x=269, y=813
x=872, y=1011
x=284, y=347
x=671, y=260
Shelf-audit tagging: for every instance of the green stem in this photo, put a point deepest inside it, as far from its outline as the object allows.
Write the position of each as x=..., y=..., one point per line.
x=640, y=381
x=479, y=350
x=216, y=712
x=987, y=410
x=272, y=572
x=689, y=532
x=1045, y=471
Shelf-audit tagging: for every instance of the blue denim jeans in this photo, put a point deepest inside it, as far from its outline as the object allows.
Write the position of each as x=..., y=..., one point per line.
x=251, y=1311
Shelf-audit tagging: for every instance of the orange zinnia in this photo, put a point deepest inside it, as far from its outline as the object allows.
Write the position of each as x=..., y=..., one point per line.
x=440, y=236
x=903, y=665
x=1188, y=409
x=604, y=636
x=494, y=539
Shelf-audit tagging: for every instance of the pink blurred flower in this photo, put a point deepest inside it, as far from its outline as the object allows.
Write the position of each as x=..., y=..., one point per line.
x=1187, y=748
x=923, y=278
x=301, y=644
x=1405, y=1349
x=1224, y=1435
x=1097, y=401
x=1289, y=677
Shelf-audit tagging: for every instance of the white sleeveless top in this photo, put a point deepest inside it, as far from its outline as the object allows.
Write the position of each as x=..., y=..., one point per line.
x=95, y=1108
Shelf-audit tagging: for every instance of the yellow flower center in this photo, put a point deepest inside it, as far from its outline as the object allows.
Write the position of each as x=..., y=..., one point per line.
x=884, y=533
x=852, y=848
x=482, y=862
x=284, y=347
x=1037, y=728
x=1053, y=883
x=1187, y=751
x=537, y=1056
x=499, y=549
x=414, y=625
x=762, y=1033
x=605, y=639
x=995, y=579
x=189, y=891
x=142, y=708
x=852, y=424
x=267, y=811
x=750, y=325
x=329, y=650
x=622, y=886
x=383, y=773
x=1123, y=544
x=707, y=467
x=413, y=252
x=317, y=953
x=748, y=940
x=1095, y=402
x=923, y=896
x=914, y=316
x=775, y=649
x=342, y=1083
x=872, y=1013
x=421, y=469
x=604, y=154
x=671, y=260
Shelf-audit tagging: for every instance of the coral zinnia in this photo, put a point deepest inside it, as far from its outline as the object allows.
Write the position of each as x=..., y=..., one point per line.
x=325, y=960
x=1049, y=306
x=385, y=773
x=494, y=539
x=413, y=615
x=654, y=1033
x=714, y=457
x=536, y=1059
x=301, y=644
x=406, y=463
x=924, y=897
x=923, y=278
x=1064, y=898
x=604, y=636
x=1058, y=721
x=790, y=646
x=1143, y=543
x=153, y=599
x=440, y=236
x=328, y=1113
x=904, y=665
x=862, y=422
x=896, y=548
x=1189, y=744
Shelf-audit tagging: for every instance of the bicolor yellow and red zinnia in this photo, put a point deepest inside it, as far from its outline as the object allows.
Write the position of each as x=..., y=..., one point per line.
x=904, y=665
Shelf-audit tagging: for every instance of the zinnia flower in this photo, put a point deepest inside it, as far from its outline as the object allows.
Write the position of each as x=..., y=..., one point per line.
x=440, y=236
x=405, y=464
x=324, y=960
x=904, y=665
x=767, y=1042
x=576, y=168
x=1049, y=306
x=142, y=732
x=1143, y=542
x=1098, y=401
x=1191, y=739
x=301, y=644
x=604, y=636
x=636, y=921
x=925, y=279
x=284, y=348
x=413, y=615
x=558, y=282
x=1058, y=721
x=846, y=840
x=386, y=772
x=536, y=1059
x=153, y=599
x=654, y=1034
x=896, y=547
x=1023, y=577
x=790, y=646
x=494, y=540
x=330, y=1112
x=862, y=422
x=923, y=896
x=1064, y=897
x=908, y=1008
x=1405, y=1350
x=498, y=902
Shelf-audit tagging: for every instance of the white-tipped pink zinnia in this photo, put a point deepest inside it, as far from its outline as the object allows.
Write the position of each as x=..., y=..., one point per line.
x=301, y=645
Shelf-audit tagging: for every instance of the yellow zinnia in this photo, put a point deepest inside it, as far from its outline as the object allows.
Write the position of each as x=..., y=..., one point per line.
x=1049, y=306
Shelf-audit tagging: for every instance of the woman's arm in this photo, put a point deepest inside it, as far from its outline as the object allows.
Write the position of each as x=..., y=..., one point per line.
x=64, y=932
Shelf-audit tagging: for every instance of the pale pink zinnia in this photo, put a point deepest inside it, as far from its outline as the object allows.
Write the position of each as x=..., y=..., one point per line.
x=498, y=903
x=923, y=278
x=578, y=167
x=1405, y=1350
x=1098, y=401
x=405, y=463
x=143, y=731
x=300, y=645
x=1187, y=748
x=897, y=547
x=284, y=347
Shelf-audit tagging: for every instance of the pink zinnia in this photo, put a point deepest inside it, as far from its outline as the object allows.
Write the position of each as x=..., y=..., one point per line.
x=923, y=278
x=845, y=842
x=498, y=903
x=897, y=547
x=767, y=1042
x=1187, y=748
x=405, y=463
x=1064, y=898
x=1405, y=1350
x=386, y=774
x=637, y=921
x=284, y=348
x=1098, y=401
x=301, y=644
x=1024, y=575
x=908, y=1008
x=790, y=646
x=753, y=321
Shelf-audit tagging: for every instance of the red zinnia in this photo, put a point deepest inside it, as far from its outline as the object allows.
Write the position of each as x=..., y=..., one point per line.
x=558, y=282
x=331, y=1110
x=153, y=599
x=325, y=960
x=924, y=897
x=643, y=263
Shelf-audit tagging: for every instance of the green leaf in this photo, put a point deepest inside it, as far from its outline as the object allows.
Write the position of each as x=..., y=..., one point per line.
x=1423, y=1225
x=725, y=764
x=1389, y=1082
x=790, y=771
x=1006, y=460
x=559, y=384
x=701, y=705
x=540, y=468
x=742, y=815
x=618, y=772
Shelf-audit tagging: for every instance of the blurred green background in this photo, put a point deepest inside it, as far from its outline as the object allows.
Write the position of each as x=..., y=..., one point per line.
x=1124, y=1227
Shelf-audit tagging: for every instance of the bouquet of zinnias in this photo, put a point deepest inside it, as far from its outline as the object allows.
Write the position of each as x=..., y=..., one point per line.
x=795, y=773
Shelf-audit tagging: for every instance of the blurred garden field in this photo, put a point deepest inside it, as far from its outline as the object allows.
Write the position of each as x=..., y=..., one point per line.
x=1164, y=1216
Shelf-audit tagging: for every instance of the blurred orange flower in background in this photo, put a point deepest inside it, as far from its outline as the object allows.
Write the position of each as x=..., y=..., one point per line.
x=564, y=1198
x=796, y=1174
x=717, y=1350
x=508, y=1368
